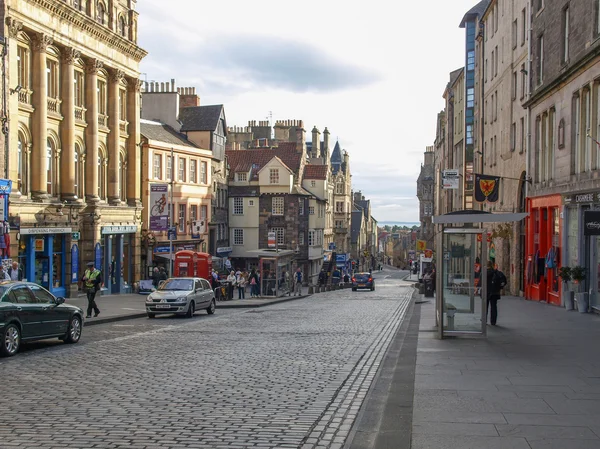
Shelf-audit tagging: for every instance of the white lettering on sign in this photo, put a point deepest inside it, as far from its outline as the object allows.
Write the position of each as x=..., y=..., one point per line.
x=118, y=229
x=35, y=231
x=585, y=198
x=593, y=225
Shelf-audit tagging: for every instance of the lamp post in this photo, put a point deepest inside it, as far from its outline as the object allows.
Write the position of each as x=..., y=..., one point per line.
x=171, y=213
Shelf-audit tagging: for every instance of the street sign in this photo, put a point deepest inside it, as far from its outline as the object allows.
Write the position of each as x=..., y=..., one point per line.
x=172, y=233
x=450, y=179
x=224, y=249
x=272, y=239
x=331, y=246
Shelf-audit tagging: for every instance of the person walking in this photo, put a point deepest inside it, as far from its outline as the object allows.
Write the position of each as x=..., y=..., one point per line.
x=3, y=274
x=155, y=277
x=298, y=282
x=162, y=275
x=92, y=279
x=241, y=285
x=15, y=273
x=493, y=293
x=231, y=284
x=253, y=284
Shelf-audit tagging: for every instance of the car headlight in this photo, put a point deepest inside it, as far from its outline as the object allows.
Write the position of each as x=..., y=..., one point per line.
x=149, y=298
x=182, y=299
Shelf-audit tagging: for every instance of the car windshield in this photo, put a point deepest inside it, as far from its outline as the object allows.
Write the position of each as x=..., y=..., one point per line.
x=177, y=285
x=362, y=276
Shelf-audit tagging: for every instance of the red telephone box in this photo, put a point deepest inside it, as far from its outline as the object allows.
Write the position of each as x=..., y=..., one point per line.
x=193, y=264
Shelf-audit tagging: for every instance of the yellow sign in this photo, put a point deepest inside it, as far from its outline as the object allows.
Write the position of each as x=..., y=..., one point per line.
x=38, y=244
x=421, y=245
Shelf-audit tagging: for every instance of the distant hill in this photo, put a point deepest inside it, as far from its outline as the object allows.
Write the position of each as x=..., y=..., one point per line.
x=408, y=224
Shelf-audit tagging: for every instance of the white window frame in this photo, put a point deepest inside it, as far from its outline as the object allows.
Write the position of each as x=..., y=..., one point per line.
x=311, y=210
x=181, y=170
x=238, y=237
x=193, y=171
x=181, y=217
x=277, y=205
x=273, y=176
x=280, y=233
x=242, y=176
x=238, y=205
x=157, y=169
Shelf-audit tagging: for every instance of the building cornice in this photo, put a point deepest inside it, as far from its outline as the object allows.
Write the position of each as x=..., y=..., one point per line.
x=85, y=23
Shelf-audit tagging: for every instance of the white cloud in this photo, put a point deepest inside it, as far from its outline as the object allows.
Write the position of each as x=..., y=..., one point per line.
x=372, y=72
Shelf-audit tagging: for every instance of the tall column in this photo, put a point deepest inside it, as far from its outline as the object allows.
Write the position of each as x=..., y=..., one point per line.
x=91, y=132
x=67, y=167
x=113, y=138
x=134, y=164
x=14, y=27
x=39, y=173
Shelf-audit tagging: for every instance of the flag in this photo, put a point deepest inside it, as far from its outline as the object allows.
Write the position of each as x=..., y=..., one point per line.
x=487, y=188
x=421, y=245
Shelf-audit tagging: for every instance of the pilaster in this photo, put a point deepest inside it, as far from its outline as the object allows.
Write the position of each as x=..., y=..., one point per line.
x=67, y=168
x=134, y=164
x=14, y=26
x=91, y=132
x=113, y=138
x=39, y=174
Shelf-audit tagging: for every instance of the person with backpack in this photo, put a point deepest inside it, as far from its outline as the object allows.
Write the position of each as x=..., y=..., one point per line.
x=298, y=282
x=495, y=282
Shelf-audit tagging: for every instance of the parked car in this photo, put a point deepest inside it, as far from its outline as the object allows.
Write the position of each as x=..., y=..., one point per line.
x=29, y=312
x=363, y=280
x=181, y=296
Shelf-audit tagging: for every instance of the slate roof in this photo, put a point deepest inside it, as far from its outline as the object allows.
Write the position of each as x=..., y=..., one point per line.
x=200, y=118
x=454, y=76
x=336, y=158
x=252, y=160
x=315, y=172
x=356, y=224
x=160, y=132
x=474, y=12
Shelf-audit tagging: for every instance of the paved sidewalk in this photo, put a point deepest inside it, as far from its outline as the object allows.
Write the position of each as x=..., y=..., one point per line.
x=126, y=307
x=534, y=383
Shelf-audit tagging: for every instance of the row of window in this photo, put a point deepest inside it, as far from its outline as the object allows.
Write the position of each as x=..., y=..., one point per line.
x=187, y=169
x=184, y=226
x=53, y=170
x=53, y=83
x=315, y=237
x=277, y=207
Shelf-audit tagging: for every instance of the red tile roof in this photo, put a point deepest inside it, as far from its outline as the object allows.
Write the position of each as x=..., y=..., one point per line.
x=315, y=172
x=255, y=159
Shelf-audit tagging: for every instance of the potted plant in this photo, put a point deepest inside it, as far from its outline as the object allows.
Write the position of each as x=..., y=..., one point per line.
x=578, y=275
x=568, y=295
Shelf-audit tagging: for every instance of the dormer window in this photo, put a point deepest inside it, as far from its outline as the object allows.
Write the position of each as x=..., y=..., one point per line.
x=313, y=183
x=242, y=177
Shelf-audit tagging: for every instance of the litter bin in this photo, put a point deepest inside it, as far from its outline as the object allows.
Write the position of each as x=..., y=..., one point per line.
x=428, y=288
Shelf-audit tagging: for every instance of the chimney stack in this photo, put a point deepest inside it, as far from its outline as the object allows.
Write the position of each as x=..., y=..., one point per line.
x=316, y=142
x=300, y=137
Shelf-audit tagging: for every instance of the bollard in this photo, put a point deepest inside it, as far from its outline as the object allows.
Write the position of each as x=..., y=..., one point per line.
x=310, y=290
x=328, y=288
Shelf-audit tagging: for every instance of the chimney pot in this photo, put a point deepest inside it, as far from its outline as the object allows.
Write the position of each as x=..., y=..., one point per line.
x=173, y=84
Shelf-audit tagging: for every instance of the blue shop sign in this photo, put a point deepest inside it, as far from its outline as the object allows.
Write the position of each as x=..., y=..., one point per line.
x=74, y=263
x=98, y=253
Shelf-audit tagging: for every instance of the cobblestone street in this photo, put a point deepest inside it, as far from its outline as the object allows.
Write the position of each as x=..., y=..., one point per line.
x=290, y=375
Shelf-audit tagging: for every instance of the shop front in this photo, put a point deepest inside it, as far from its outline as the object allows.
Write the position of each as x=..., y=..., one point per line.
x=544, y=249
x=115, y=255
x=582, y=240
x=43, y=257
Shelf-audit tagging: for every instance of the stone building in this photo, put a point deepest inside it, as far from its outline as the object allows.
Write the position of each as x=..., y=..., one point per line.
x=454, y=138
x=564, y=155
x=342, y=198
x=173, y=162
x=501, y=136
x=73, y=139
x=425, y=194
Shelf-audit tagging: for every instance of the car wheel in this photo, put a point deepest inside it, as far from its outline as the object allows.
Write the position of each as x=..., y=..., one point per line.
x=211, y=309
x=151, y=315
x=191, y=310
x=74, y=330
x=11, y=340
x=353, y=289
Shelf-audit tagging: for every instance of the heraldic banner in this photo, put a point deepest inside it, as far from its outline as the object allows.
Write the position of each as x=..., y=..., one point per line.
x=487, y=188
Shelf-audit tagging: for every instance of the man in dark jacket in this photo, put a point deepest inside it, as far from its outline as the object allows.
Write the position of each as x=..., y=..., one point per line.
x=493, y=292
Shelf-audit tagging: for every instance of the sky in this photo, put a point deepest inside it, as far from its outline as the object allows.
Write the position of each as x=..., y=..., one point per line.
x=372, y=72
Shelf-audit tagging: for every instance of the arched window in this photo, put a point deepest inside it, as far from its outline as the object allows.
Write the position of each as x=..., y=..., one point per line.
x=122, y=26
x=22, y=178
x=122, y=177
x=50, y=166
x=102, y=174
x=100, y=13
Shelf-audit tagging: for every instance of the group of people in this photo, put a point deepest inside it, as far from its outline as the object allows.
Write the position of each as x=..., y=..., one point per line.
x=240, y=280
x=14, y=273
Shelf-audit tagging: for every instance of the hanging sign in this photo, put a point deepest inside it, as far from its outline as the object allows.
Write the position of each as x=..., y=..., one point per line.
x=591, y=222
x=272, y=238
x=450, y=179
x=198, y=227
x=487, y=188
x=159, y=208
x=421, y=245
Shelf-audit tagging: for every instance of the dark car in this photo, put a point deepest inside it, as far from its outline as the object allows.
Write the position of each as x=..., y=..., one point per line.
x=29, y=312
x=363, y=280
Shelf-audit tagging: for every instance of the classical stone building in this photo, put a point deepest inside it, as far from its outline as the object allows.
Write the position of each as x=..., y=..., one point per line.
x=73, y=139
x=342, y=198
x=501, y=136
x=425, y=194
x=564, y=155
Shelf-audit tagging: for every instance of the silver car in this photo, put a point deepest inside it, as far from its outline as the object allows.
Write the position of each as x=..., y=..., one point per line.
x=181, y=296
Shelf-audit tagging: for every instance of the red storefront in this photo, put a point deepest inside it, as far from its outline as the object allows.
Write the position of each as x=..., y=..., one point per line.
x=543, y=251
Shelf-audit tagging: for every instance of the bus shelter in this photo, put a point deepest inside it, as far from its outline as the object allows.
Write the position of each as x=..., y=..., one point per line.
x=274, y=267
x=461, y=289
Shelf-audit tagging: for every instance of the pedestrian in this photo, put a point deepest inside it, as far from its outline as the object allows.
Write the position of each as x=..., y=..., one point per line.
x=92, y=279
x=346, y=278
x=231, y=284
x=298, y=282
x=155, y=277
x=253, y=284
x=15, y=272
x=241, y=285
x=162, y=275
x=493, y=293
x=3, y=274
